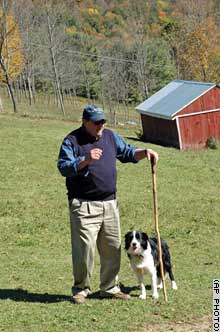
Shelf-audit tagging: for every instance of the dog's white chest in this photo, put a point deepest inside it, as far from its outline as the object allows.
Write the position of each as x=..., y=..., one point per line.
x=144, y=263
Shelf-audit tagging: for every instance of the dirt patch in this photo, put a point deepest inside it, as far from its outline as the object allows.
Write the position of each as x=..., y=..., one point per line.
x=203, y=324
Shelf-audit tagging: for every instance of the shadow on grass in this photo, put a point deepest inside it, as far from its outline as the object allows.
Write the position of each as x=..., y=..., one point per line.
x=128, y=290
x=134, y=138
x=21, y=295
x=25, y=296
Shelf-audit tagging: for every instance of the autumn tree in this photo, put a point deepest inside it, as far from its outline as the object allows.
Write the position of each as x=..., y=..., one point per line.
x=199, y=50
x=11, y=57
x=24, y=11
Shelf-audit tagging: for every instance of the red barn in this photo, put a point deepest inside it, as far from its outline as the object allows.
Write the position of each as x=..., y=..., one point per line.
x=183, y=114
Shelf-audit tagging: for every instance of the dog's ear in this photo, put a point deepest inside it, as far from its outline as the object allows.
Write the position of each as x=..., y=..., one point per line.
x=128, y=238
x=144, y=240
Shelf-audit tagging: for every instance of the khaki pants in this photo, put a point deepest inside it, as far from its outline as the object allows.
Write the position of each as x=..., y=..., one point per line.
x=95, y=222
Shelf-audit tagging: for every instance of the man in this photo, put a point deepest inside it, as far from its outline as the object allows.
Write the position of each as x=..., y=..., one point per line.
x=87, y=159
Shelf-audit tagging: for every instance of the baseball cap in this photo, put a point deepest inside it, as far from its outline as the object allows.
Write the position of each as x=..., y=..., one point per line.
x=93, y=113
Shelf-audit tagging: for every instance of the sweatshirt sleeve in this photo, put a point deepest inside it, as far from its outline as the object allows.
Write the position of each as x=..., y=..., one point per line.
x=67, y=160
x=125, y=151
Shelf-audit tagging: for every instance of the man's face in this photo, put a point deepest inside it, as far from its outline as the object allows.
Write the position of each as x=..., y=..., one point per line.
x=95, y=129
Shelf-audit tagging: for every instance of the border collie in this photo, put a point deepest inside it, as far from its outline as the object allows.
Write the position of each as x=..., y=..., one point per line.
x=144, y=258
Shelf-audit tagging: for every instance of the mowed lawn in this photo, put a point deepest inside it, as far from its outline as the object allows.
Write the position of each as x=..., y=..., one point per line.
x=35, y=255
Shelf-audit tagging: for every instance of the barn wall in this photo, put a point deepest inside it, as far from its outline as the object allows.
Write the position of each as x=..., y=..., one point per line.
x=196, y=129
x=209, y=101
x=160, y=131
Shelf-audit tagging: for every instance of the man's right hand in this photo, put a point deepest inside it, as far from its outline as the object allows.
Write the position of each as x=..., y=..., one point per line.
x=95, y=154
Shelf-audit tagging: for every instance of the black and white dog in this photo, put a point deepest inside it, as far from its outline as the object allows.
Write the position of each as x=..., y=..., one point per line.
x=143, y=254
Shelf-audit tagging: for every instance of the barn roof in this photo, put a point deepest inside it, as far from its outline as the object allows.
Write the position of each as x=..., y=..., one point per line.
x=173, y=98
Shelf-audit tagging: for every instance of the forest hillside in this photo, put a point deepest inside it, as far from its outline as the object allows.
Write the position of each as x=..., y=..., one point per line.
x=114, y=52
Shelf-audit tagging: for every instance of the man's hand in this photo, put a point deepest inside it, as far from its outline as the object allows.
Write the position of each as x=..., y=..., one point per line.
x=95, y=154
x=152, y=155
x=146, y=153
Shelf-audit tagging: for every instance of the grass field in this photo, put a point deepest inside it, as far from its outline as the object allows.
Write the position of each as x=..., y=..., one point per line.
x=35, y=255
x=44, y=106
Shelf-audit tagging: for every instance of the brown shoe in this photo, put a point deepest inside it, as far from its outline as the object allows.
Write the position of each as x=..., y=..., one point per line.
x=118, y=295
x=78, y=298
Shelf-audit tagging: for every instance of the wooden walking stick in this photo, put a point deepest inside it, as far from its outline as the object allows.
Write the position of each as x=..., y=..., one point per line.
x=153, y=170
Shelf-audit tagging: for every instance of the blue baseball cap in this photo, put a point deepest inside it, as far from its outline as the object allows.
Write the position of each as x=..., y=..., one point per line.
x=93, y=113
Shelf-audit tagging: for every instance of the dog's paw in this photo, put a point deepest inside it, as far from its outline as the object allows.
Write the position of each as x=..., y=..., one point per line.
x=155, y=296
x=160, y=285
x=142, y=297
x=174, y=285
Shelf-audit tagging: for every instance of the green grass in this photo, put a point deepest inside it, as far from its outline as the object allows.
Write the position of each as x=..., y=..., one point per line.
x=35, y=255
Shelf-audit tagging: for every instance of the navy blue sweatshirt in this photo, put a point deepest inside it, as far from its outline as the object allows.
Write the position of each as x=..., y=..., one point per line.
x=97, y=181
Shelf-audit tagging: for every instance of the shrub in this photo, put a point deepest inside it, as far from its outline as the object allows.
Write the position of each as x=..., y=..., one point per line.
x=212, y=143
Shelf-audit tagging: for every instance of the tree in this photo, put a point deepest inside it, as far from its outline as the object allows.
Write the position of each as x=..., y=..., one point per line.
x=11, y=57
x=199, y=50
x=51, y=41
